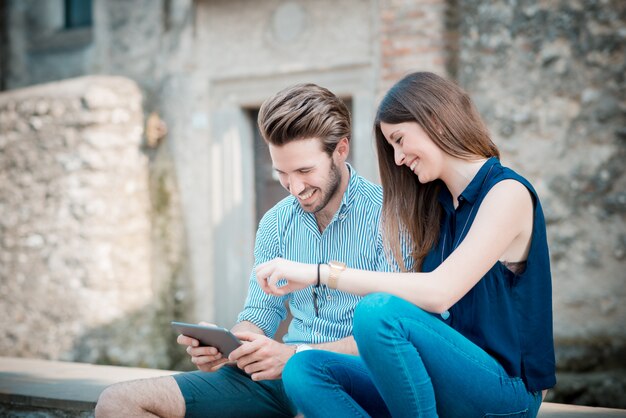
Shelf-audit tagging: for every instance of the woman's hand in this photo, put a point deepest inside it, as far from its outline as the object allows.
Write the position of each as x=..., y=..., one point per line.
x=297, y=275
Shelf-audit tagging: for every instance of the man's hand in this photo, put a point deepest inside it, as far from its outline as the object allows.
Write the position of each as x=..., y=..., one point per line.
x=261, y=357
x=207, y=359
x=297, y=275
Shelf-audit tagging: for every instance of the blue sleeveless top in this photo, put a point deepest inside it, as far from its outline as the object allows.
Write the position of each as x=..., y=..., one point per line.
x=506, y=314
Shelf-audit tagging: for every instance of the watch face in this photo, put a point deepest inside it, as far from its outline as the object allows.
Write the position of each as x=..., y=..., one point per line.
x=337, y=265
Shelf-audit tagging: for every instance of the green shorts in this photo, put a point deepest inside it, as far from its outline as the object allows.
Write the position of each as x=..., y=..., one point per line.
x=229, y=392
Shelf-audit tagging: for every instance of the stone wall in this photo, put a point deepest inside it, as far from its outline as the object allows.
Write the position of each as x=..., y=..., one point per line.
x=549, y=79
x=76, y=254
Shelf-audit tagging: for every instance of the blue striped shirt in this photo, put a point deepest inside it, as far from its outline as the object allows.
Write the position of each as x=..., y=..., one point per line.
x=353, y=236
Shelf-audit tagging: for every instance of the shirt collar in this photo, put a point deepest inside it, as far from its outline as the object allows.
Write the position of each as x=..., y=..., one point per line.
x=472, y=191
x=350, y=193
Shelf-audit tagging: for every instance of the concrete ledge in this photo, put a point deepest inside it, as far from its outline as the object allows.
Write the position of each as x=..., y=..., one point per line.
x=558, y=410
x=39, y=385
x=46, y=388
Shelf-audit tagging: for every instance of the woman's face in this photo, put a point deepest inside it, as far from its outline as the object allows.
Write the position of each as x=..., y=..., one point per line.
x=413, y=148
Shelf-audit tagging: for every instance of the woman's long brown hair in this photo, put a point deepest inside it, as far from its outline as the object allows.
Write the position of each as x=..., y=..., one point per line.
x=411, y=210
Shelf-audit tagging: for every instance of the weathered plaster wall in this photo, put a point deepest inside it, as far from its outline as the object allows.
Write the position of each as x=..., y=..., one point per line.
x=264, y=38
x=39, y=50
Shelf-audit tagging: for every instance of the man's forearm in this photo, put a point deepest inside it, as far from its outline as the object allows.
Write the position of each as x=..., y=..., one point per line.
x=345, y=345
x=247, y=326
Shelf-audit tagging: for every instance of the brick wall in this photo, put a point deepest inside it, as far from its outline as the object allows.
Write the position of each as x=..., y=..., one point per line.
x=413, y=37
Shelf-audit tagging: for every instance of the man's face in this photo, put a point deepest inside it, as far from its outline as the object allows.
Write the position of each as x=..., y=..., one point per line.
x=307, y=172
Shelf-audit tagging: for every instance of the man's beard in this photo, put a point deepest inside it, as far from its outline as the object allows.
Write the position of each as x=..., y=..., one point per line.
x=331, y=187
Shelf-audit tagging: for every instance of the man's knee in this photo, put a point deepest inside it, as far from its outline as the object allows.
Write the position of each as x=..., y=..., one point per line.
x=159, y=396
x=109, y=401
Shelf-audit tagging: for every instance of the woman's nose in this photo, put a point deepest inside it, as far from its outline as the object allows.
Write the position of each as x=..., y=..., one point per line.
x=398, y=156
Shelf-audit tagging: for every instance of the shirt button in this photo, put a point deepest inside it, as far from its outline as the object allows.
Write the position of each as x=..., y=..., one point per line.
x=317, y=334
x=445, y=315
x=328, y=297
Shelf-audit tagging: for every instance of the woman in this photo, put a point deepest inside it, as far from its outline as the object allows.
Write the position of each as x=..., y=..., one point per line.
x=467, y=332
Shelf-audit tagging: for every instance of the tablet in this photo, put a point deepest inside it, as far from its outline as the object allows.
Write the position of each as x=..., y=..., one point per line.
x=217, y=337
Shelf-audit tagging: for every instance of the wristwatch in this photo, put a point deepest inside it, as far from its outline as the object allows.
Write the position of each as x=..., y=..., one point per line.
x=336, y=267
x=303, y=347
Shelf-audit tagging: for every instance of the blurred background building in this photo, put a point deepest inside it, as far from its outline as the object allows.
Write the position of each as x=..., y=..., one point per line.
x=132, y=175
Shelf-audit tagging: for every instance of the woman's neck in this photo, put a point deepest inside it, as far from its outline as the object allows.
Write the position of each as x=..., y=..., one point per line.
x=458, y=174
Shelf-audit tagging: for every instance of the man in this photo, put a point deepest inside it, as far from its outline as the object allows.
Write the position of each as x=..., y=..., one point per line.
x=331, y=214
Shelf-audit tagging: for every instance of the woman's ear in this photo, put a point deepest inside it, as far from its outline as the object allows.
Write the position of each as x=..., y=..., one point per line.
x=437, y=125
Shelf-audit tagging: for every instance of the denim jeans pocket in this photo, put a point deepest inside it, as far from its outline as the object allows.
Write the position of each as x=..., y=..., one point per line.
x=519, y=414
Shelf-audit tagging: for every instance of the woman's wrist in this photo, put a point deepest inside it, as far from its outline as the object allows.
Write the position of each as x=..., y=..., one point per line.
x=324, y=272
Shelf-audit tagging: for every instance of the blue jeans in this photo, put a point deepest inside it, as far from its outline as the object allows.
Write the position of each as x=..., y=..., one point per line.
x=411, y=365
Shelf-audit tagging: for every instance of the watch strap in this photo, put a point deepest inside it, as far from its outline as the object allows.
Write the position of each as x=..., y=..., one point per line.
x=335, y=269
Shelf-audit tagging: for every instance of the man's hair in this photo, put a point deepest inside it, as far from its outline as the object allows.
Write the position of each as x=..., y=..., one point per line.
x=304, y=111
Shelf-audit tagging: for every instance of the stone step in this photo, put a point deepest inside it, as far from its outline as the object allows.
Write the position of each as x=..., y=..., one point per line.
x=47, y=388
x=38, y=385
